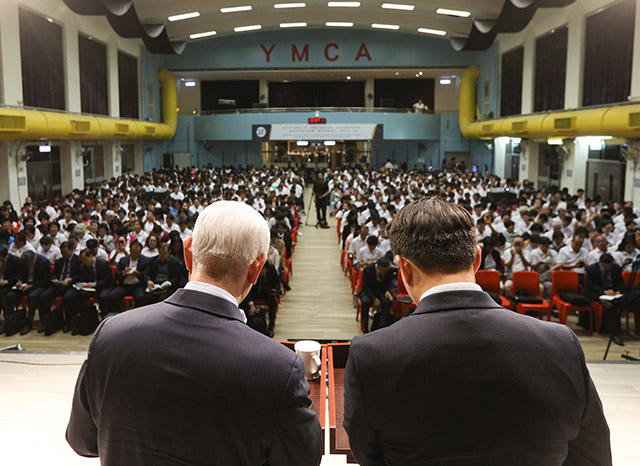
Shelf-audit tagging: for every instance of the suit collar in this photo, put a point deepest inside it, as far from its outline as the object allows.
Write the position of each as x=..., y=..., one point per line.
x=455, y=300
x=205, y=302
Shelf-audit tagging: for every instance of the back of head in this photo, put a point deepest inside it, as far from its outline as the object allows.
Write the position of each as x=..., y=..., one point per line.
x=435, y=235
x=228, y=236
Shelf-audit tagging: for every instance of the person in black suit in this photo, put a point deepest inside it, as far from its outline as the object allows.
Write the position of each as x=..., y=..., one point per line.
x=64, y=270
x=186, y=381
x=163, y=268
x=95, y=274
x=131, y=278
x=34, y=277
x=605, y=278
x=266, y=289
x=376, y=290
x=321, y=198
x=462, y=381
x=8, y=277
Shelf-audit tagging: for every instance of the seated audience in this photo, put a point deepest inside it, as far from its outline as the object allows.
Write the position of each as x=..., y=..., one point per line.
x=131, y=278
x=376, y=291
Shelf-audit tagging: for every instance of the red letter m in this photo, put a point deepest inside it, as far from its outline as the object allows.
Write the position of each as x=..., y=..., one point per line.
x=295, y=55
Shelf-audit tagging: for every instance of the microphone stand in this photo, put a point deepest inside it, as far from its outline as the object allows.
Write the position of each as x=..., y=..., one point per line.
x=619, y=306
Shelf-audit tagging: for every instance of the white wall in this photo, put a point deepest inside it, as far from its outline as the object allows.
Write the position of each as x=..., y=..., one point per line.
x=447, y=96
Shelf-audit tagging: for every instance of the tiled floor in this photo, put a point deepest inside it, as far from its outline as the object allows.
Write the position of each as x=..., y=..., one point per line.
x=35, y=401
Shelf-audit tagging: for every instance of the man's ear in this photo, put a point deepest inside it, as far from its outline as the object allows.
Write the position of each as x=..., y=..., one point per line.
x=405, y=270
x=478, y=259
x=256, y=268
x=188, y=254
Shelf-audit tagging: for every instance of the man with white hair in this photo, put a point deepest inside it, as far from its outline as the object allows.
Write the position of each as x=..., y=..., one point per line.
x=186, y=381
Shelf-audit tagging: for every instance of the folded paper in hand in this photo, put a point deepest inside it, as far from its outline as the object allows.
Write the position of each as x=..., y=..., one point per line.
x=82, y=286
x=160, y=288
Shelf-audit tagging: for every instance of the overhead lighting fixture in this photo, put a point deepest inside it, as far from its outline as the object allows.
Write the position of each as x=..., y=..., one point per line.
x=448, y=12
x=503, y=140
x=554, y=141
x=348, y=78
x=302, y=143
x=290, y=5
x=200, y=35
x=293, y=25
x=445, y=81
x=397, y=73
x=190, y=84
x=193, y=14
x=235, y=9
x=420, y=73
x=329, y=143
x=435, y=32
x=49, y=19
x=338, y=24
x=343, y=4
x=385, y=26
x=253, y=27
x=398, y=6
x=44, y=148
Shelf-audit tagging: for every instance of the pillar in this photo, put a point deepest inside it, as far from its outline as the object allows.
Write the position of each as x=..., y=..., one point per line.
x=71, y=166
x=72, y=67
x=573, y=174
x=575, y=58
x=635, y=71
x=112, y=79
x=139, y=158
x=632, y=179
x=369, y=90
x=112, y=157
x=529, y=158
x=13, y=173
x=10, y=62
x=500, y=154
x=528, y=73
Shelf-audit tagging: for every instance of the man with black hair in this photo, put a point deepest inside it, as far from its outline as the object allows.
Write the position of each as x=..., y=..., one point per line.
x=164, y=268
x=321, y=198
x=265, y=289
x=480, y=384
x=604, y=278
x=369, y=253
x=131, y=278
x=376, y=290
x=33, y=278
x=8, y=277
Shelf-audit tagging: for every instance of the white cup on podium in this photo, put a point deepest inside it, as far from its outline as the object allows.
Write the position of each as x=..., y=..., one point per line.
x=309, y=351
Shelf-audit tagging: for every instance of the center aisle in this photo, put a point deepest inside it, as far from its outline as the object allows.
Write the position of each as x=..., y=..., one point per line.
x=319, y=305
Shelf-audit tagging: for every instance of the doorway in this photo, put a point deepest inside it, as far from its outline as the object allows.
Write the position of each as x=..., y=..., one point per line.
x=605, y=178
x=43, y=172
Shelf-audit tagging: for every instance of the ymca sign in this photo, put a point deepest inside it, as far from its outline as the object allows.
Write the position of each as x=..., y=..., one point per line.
x=300, y=52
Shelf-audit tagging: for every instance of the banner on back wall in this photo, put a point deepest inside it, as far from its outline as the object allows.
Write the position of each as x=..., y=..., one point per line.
x=338, y=131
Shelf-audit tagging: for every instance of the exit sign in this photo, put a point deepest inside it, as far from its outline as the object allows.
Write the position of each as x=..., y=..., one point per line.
x=317, y=120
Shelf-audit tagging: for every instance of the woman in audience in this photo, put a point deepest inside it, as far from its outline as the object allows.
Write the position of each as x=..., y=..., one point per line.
x=151, y=246
x=627, y=254
x=491, y=259
x=119, y=251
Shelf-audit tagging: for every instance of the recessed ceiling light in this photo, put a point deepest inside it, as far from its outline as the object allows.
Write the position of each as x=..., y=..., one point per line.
x=49, y=19
x=235, y=9
x=202, y=34
x=435, y=32
x=448, y=12
x=445, y=81
x=398, y=6
x=302, y=143
x=397, y=73
x=385, y=26
x=329, y=143
x=343, y=4
x=290, y=5
x=420, y=73
x=190, y=84
x=193, y=14
x=338, y=24
x=253, y=27
x=293, y=25
x=348, y=78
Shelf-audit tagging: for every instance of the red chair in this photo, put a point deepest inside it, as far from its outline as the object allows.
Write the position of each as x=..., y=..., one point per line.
x=348, y=265
x=626, y=276
x=568, y=281
x=529, y=282
x=403, y=300
x=489, y=280
x=339, y=231
x=288, y=264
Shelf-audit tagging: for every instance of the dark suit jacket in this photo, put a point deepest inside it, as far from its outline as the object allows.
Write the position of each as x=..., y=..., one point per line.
x=193, y=386
x=11, y=270
x=103, y=277
x=174, y=270
x=464, y=382
x=370, y=284
x=594, y=286
x=74, y=265
x=143, y=264
x=41, y=272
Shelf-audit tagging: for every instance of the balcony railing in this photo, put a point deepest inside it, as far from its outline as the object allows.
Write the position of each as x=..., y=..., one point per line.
x=309, y=110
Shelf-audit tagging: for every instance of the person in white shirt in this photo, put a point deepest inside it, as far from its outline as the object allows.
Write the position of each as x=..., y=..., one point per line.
x=184, y=231
x=542, y=259
x=151, y=247
x=119, y=251
x=20, y=245
x=83, y=236
x=572, y=257
x=99, y=253
x=369, y=254
x=601, y=247
x=627, y=254
x=138, y=234
x=56, y=235
x=33, y=236
x=515, y=260
x=358, y=242
x=48, y=249
x=419, y=106
x=176, y=195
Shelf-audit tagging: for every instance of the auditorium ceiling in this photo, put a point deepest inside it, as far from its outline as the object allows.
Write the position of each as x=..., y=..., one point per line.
x=167, y=26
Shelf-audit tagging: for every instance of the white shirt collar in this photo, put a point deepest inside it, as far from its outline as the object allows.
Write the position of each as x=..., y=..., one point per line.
x=460, y=286
x=215, y=291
